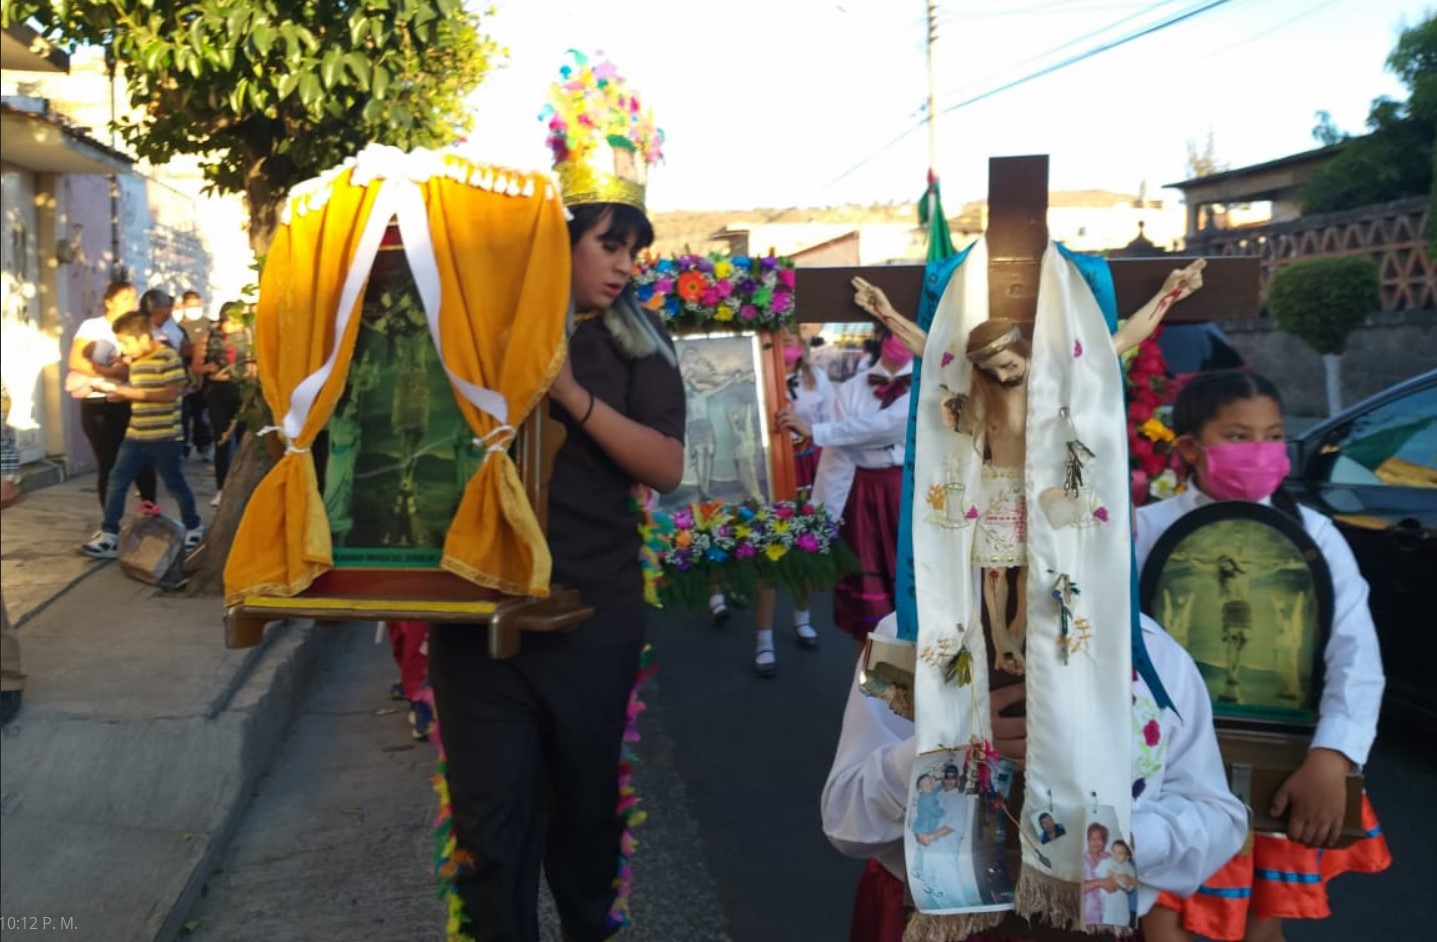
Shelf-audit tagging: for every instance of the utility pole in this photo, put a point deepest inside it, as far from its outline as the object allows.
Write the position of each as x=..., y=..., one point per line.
x=932, y=96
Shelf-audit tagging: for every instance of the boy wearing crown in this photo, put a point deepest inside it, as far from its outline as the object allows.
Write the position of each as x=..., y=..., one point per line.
x=533, y=742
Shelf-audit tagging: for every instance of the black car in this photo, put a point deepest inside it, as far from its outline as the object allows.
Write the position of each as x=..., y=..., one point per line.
x=1373, y=469
x=1197, y=348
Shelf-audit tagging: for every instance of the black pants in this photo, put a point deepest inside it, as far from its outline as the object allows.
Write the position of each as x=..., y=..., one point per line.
x=197, y=431
x=223, y=401
x=104, y=424
x=533, y=747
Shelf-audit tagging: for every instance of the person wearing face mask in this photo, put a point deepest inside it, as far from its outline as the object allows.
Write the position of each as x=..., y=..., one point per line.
x=1229, y=433
x=861, y=470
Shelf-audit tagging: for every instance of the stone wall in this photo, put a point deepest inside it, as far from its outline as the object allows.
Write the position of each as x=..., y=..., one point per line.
x=1387, y=349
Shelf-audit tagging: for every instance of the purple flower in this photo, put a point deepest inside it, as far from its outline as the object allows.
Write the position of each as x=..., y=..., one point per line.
x=710, y=297
x=947, y=358
x=807, y=542
x=782, y=302
x=745, y=551
x=748, y=312
x=748, y=286
x=1102, y=514
x=664, y=286
x=768, y=263
x=684, y=519
x=972, y=513
x=724, y=288
x=1077, y=348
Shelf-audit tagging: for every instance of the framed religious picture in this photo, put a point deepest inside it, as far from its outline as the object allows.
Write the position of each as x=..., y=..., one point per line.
x=1246, y=591
x=733, y=451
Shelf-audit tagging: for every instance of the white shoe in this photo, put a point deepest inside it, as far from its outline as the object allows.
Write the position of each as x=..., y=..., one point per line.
x=215, y=501
x=102, y=546
x=193, y=538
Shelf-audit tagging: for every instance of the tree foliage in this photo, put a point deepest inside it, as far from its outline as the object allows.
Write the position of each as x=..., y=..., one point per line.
x=1395, y=159
x=272, y=92
x=1204, y=162
x=1322, y=300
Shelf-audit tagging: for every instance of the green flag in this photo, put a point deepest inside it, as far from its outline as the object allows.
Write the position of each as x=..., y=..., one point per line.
x=930, y=214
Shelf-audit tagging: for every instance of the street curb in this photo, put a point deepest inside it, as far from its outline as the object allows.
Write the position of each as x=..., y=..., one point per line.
x=84, y=574
x=265, y=699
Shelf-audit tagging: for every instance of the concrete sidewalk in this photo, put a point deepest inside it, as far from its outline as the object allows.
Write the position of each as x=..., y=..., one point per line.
x=141, y=736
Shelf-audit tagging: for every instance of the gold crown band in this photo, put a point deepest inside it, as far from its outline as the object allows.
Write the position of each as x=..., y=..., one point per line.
x=581, y=184
x=992, y=349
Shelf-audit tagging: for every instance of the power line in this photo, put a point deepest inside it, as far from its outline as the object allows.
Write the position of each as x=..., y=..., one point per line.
x=1048, y=70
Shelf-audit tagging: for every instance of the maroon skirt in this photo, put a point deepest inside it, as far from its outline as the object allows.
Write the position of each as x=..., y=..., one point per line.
x=870, y=528
x=805, y=465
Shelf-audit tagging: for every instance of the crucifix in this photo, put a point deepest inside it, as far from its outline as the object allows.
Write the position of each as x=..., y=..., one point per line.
x=1017, y=237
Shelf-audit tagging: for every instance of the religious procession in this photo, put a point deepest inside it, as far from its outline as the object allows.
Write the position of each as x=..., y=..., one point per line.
x=565, y=582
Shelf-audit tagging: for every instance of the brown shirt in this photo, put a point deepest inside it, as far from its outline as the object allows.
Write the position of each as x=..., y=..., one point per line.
x=593, y=526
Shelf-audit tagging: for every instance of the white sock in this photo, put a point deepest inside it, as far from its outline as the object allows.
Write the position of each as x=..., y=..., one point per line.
x=717, y=602
x=800, y=622
x=764, y=652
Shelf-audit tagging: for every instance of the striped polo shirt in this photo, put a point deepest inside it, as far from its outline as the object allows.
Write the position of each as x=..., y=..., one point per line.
x=157, y=421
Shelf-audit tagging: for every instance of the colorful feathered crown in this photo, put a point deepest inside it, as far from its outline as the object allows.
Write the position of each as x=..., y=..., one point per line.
x=602, y=138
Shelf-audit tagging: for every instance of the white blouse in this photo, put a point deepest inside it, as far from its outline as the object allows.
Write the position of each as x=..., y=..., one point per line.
x=1186, y=822
x=1353, y=681
x=860, y=434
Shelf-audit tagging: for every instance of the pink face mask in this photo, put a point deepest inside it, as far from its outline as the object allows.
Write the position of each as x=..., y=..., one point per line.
x=895, y=353
x=1245, y=470
x=791, y=355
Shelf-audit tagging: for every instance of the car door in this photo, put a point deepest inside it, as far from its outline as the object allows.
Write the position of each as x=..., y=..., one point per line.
x=1375, y=475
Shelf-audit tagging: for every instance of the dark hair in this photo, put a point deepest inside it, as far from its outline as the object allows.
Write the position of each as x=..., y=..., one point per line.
x=1047, y=815
x=624, y=222
x=1206, y=394
x=192, y=294
x=132, y=324
x=153, y=299
x=113, y=289
x=1125, y=847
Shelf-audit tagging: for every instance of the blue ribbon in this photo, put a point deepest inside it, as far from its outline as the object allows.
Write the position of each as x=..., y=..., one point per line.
x=936, y=275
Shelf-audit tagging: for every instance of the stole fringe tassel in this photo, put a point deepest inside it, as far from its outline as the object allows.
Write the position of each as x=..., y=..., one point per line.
x=1048, y=900
x=628, y=805
x=928, y=927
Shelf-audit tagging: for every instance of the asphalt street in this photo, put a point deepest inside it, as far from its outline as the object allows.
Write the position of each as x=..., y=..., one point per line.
x=337, y=843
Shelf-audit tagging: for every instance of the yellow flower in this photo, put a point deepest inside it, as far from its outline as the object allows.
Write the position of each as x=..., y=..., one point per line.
x=741, y=533
x=781, y=526
x=1154, y=430
x=724, y=313
x=723, y=269
x=776, y=551
x=938, y=496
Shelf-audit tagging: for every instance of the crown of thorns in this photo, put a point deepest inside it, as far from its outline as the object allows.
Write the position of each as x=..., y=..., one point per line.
x=995, y=347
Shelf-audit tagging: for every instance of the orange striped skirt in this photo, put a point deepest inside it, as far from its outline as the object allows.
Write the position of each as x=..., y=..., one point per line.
x=1280, y=879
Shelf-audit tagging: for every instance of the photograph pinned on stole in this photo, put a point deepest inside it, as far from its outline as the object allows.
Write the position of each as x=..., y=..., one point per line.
x=1110, y=877
x=955, y=832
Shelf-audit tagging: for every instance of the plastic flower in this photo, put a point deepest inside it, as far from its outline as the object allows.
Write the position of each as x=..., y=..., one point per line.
x=807, y=542
x=723, y=269
x=724, y=313
x=775, y=551
x=691, y=286
x=1156, y=431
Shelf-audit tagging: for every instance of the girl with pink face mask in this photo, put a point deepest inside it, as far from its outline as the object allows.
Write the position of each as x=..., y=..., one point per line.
x=1229, y=432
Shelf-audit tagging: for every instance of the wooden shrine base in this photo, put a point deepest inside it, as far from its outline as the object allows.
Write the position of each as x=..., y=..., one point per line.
x=342, y=595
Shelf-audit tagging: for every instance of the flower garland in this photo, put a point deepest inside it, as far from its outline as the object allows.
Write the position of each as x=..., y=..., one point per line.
x=718, y=292
x=592, y=107
x=742, y=546
x=628, y=806
x=1157, y=470
x=448, y=856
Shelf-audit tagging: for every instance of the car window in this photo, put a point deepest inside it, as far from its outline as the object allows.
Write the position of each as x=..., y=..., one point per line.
x=1394, y=445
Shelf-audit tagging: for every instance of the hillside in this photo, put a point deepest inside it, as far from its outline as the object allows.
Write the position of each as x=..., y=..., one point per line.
x=689, y=230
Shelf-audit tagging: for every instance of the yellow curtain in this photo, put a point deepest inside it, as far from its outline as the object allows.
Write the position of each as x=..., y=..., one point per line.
x=503, y=267
x=504, y=274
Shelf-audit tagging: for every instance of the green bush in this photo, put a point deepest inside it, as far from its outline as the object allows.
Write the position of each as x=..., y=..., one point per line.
x=1322, y=300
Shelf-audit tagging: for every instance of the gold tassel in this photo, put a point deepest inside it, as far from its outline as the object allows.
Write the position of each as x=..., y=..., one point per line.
x=928, y=927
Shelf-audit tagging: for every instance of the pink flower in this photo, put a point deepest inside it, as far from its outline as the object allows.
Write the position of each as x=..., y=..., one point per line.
x=784, y=511
x=725, y=288
x=744, y=551
x=782, y=302
x=972, y=513
x=710, y=297
x=1077, y=348
x=1152, y=733
x=947, y=358
x=786, y=277
x=748, y=312
x=664, y=285
x=1102, y=514
x=807, y=542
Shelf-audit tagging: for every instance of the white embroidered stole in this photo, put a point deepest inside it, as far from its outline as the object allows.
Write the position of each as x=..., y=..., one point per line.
x=1079, y=708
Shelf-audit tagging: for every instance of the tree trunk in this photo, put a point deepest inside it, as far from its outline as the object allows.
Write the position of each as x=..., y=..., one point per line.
x=251, y=463
x=1332, y=370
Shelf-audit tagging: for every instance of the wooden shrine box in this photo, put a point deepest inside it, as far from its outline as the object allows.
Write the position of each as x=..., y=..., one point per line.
x=392, y=464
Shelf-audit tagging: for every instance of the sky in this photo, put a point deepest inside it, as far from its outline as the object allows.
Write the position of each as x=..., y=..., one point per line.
x=805, y=103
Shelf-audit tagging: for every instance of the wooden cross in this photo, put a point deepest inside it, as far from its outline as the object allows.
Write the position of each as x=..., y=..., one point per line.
x=1017, y=236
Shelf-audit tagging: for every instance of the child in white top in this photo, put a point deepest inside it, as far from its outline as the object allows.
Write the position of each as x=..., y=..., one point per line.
x=1229, y=428
x=1185, y=821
